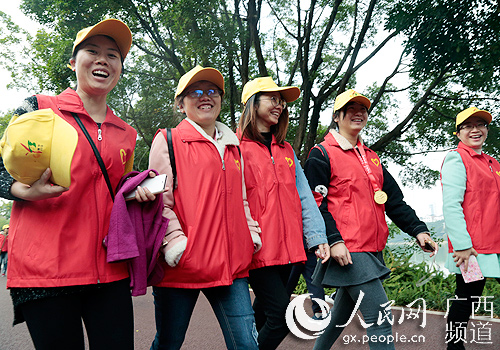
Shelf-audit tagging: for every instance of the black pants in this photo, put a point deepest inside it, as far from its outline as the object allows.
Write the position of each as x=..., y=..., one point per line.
x=56, y=322
x=271, y=300
x=461, y=310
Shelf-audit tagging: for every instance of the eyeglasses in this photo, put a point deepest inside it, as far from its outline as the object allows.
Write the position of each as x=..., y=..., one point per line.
x=275, y=101
x=470, y=127
x=210, y=93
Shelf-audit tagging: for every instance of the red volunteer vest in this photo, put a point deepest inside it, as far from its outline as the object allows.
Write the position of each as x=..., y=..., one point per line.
x=274, y=202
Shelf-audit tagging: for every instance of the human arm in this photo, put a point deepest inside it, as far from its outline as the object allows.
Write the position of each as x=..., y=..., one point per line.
x=175, y=240
x=454, y=181
x=404, y=216
x=317, y=171
x=312, y=222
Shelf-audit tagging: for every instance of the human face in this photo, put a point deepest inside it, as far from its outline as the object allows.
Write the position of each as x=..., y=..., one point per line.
x=202, y=110
x=268, y=114
x=475, y=137
x=352, y=119
x=97, y=65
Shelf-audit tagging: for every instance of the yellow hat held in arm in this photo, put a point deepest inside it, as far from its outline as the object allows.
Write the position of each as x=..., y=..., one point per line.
x=199, y=73
x=348, y=96
x=113, y=28
x=36, y=141
x=473, y=112
x=267, y=84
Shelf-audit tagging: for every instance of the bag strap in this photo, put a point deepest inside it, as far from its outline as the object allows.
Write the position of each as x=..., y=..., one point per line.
x=167, y=133
x=171, y=155
x=325, y=153
x=96, y=153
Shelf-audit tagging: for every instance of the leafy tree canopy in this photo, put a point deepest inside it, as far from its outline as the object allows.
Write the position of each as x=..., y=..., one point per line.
x=450, y=56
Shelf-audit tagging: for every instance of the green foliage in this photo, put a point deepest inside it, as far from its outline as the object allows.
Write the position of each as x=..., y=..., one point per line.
x=5, y=209
x=317, y=45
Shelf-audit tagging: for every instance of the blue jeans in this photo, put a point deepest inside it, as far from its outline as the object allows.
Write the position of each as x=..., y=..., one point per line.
x=3, y=262
x=370, y=307
x=231, y=304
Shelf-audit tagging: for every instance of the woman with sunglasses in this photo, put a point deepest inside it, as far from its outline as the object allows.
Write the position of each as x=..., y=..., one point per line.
x=280, y=200
x=354, y=192
x=211, y=236
x=471, y=209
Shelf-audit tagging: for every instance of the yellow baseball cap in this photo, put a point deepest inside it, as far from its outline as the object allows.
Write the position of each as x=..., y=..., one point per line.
x=199, y=73
x=267, y=84
x=473, y=112
x=348, y=96
x=5, y=226
x=113, y=28
x=36, y=141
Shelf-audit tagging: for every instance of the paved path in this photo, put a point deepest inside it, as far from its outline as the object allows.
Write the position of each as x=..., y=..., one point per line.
x=204, y=332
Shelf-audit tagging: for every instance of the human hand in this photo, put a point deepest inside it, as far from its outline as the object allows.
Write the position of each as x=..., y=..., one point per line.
x=257, y=241
x=40, y=189
x=323, y=252
x=143, y=194
x=462, y=256
x=174, y=249
x=425, y=242
x=341, y=254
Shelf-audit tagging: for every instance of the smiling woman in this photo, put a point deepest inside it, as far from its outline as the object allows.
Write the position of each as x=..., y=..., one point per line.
x=354, y=192
x=471, y=197
x=50, y=287
x=211, y=235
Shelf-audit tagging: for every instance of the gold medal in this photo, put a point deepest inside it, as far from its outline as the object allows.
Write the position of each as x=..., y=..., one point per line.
x=380, y=197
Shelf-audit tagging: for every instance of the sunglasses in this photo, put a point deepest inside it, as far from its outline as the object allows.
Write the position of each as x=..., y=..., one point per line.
x=210, y=93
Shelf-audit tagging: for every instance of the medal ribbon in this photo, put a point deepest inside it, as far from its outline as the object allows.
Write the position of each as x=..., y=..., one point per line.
x=364, y=162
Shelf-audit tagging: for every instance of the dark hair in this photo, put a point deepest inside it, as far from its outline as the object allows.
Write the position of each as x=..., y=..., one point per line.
x=248, y=121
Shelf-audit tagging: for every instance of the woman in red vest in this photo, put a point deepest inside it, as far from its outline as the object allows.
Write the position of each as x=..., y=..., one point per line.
x=471, y=209
x=354, y=191
x=280, y=200
x=211, y=235
x=58, y=275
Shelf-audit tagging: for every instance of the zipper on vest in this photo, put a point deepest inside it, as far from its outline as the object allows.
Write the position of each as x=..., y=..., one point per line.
x=272, y=158
x=99, y=132
x=223, y=165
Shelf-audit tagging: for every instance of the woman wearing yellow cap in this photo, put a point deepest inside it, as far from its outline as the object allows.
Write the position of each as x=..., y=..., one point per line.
x=58, y=274
x=211, y=235
x=471, y=209
x=354, y=192
x=279, y=200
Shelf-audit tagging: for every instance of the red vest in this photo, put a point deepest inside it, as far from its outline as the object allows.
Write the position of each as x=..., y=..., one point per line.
x=360, y=220
x=481, y=203
x=274, y=202
x=58, y=241
x=209, y=206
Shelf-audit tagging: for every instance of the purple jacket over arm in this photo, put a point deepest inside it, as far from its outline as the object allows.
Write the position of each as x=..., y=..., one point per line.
x=136, y=232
